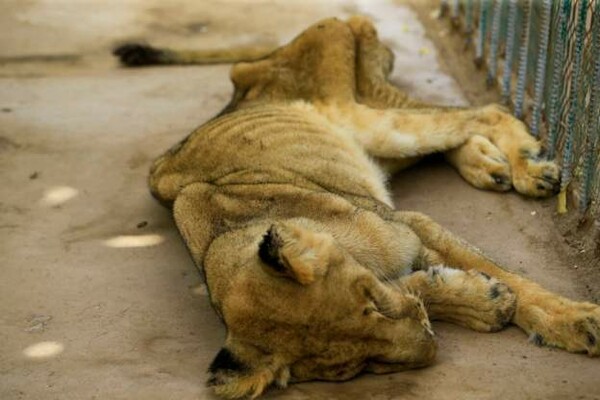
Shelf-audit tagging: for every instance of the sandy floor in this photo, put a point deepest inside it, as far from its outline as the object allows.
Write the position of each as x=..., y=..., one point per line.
x=98, y=297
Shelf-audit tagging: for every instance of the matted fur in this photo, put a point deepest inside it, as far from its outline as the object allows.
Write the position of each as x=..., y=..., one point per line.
x=282, y=202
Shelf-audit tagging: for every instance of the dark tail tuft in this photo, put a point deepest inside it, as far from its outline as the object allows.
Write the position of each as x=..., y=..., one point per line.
x=138, y=55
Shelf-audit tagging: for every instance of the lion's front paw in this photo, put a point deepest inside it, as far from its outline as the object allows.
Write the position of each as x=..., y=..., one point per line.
x=532, y=175
x=481, y=164
x=535, y=177
x=558, y=322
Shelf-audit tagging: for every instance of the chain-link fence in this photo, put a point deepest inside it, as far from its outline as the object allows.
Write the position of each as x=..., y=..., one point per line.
x=544, y=56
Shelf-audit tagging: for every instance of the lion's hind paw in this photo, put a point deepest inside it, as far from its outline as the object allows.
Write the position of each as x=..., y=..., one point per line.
x=471, y=299
x=568, y=325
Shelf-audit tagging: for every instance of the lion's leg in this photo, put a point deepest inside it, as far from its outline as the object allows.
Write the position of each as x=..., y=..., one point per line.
x=547, y=317
x=317, y=66
x=507, y=153
x=374, y=63
x=402, y=133
x=471, y=299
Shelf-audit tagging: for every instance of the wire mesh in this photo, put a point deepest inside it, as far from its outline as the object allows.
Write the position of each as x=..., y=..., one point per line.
x=545, y=57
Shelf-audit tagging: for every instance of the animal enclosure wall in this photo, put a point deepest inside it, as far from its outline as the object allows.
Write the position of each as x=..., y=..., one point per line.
x=544, y=58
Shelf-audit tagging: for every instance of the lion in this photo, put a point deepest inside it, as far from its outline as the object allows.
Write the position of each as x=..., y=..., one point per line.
x=282, y=202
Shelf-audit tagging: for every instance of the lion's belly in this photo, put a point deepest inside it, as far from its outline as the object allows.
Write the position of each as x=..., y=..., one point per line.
x=293, y=144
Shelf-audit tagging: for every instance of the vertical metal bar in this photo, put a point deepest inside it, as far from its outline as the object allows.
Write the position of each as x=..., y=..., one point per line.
x=493, y=57
x=455, y=9
x=469, y=16
x=522, y=69
x=593, y=124
x=510, y=45
x=557, y=77
x=443, y=8
x=540, y=73
x=567, y=155
x=567, y=158
x=483, y=17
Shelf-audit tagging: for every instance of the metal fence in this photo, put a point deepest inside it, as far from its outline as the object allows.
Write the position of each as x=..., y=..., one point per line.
x=544, y=56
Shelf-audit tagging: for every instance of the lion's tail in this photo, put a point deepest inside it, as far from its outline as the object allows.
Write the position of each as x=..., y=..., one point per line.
x=137, y=55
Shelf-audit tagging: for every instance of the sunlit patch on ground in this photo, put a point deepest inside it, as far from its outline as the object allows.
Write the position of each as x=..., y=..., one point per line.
x=124, y=241
x=58, y=195
x=44, y=350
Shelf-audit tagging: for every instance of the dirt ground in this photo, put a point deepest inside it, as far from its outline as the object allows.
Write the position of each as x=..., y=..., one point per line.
x=98, y=296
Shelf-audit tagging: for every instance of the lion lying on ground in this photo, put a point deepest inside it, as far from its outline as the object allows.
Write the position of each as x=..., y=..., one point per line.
x=282, y=202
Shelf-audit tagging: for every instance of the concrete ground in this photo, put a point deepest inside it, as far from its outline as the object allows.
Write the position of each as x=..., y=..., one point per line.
x=98, y=296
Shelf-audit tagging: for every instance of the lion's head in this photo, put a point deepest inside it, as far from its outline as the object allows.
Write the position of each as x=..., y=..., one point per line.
x=298, y=307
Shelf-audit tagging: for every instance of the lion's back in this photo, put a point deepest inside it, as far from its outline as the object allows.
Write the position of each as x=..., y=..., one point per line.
x=285, y=143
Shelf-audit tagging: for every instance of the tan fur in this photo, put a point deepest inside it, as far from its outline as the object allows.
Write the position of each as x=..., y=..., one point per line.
x=283, y=204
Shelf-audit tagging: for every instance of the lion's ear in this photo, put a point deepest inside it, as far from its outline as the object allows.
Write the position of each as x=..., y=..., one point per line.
x=233, y=379
x=298, y=253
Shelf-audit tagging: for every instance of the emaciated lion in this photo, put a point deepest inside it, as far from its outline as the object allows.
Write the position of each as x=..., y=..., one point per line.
x=282, y=202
